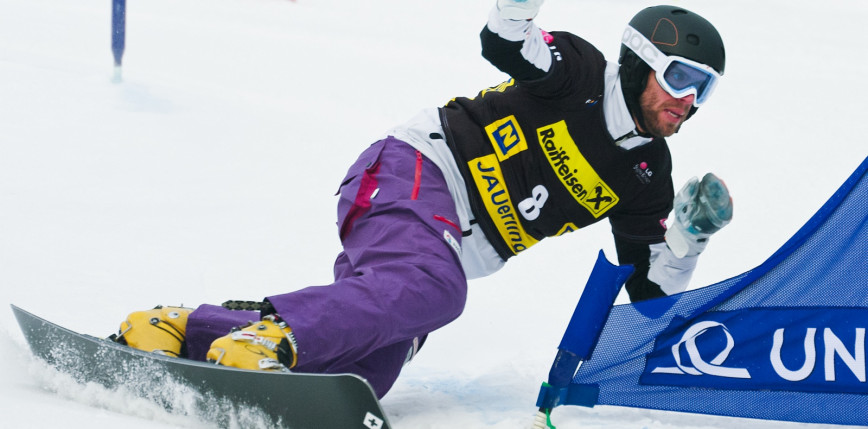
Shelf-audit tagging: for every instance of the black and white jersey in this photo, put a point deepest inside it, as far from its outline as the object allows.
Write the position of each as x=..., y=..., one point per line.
x=538, y=159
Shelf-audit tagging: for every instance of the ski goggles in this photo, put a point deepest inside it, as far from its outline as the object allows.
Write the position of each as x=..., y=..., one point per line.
x=678, y=76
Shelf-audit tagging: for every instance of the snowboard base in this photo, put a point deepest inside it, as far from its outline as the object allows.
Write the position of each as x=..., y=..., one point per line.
x=290, y=400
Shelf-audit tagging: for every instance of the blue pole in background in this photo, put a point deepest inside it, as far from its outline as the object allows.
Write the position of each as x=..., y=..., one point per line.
x=119, y=28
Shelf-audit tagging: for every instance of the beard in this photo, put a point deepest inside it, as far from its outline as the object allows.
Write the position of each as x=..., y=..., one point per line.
x=657, y=120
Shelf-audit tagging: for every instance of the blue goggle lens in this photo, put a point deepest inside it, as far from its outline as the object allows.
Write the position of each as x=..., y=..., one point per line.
x=681, y=77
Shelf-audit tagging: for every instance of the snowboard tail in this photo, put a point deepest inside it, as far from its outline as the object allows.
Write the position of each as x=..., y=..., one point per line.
x=292, y=400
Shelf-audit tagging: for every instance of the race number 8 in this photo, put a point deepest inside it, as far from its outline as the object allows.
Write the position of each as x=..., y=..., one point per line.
x=530, y=207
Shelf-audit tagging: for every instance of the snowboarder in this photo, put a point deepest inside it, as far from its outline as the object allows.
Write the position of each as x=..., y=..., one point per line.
x=568, y=140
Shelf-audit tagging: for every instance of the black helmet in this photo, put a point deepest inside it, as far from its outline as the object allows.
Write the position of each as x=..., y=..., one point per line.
x=674, y=31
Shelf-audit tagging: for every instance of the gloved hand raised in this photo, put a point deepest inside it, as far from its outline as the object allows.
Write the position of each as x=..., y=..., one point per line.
x=518, y=9
x=701, y=209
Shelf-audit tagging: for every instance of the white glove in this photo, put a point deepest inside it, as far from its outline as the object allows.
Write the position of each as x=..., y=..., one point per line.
x=518, y=9
x=701, y=209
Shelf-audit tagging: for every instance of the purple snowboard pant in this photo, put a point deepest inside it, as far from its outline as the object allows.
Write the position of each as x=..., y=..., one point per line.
x=397, y=279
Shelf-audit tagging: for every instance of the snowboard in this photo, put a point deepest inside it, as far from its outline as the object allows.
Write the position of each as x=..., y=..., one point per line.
x=218, y=393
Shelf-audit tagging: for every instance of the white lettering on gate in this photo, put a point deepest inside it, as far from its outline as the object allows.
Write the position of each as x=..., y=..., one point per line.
x=810, y=357
x=700, y=366
x=833, y=346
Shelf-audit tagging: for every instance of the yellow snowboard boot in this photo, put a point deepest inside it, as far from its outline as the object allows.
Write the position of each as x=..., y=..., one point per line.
x=160, y=330
x=264, y=345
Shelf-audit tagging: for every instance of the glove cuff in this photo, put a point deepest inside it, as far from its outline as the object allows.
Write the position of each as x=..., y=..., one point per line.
x=518, y=10
x=682, y=243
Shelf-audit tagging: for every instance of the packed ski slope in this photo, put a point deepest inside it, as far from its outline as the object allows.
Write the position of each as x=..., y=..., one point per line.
x=208, y=174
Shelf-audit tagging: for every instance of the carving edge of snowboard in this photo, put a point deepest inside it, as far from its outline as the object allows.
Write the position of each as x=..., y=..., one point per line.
x=295, y=400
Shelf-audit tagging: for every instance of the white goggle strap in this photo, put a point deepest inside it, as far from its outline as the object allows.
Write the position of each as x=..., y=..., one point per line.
x=646, y=50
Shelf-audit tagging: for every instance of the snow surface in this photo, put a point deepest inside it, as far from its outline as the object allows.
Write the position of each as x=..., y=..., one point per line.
x=208, y=174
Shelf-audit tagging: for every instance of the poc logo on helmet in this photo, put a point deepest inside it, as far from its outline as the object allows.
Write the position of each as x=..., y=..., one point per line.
x=640, y=45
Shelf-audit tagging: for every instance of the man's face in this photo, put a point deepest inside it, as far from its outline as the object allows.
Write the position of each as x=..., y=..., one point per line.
x=663, y=113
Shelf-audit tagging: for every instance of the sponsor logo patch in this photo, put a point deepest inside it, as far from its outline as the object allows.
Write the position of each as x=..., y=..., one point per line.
x=506, y=137
x=489, y=180
x=568, y=227
x=498, y=88
x=456, y=246
x=574, y=171
x=643, y=172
